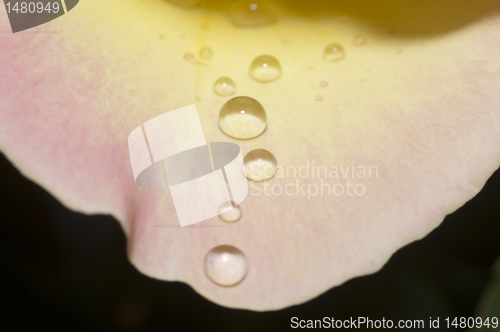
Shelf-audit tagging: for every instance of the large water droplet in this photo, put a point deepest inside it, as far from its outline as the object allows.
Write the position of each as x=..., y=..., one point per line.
x=333, y=52
x=246, y=13
x=359, y=40
x=259, y=165
x=242, y=117
x=226, y=265
x=265, y=68
x=224, y=87
x=229, y=212
x=206, y=53
x=185, y=3
x=189, y=57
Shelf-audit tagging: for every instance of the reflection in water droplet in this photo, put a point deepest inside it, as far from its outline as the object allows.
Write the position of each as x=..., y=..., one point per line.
x=359, y=40
x=265, y=68
x=185, y=3
x=225, y=265
x=224, y=87
x=259, y=165
x=246, y=13
x=333, y=52
x=189, y=57
x=206, y=53
x=198, y=98
x=229, y=212
x=242, y=117
x=323, y=84
x=319, y=98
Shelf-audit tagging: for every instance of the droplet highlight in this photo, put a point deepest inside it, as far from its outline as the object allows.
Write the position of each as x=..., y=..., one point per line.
x=259, y=165
x=255, y=13
x=359, y=40
x=333, y=52
x=189, y=57
x=323, y=84
x=224, y=86
x=265, y=68
x=242, y=117
x=225, y=265
x=206, y=53
x=229, y=212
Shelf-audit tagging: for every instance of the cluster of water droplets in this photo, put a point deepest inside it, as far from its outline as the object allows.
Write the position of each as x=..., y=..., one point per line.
x=243, y=117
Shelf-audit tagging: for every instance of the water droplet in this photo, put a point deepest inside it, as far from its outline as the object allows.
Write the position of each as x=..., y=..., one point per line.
x=359, y=40
x=185, y=3
x=161, y=36
x=189, y=57
x=229, y=212
x=246, y=13
x=265, y=68
x=399, y=51
x=198, y=98
x=242, y=117
x=259, y=165
x=319, y=98
x=333, y=52
x=224, y=87
x=206, y=53
x=225, y=265
x=323, y=84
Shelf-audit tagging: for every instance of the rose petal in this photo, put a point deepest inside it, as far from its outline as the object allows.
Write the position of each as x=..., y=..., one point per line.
x=427, y=118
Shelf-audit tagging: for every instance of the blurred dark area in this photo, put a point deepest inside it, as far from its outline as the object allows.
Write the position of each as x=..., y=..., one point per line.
x=64, y=271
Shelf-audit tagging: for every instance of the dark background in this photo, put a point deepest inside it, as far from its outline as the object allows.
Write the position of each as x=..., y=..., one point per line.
x=63, y=271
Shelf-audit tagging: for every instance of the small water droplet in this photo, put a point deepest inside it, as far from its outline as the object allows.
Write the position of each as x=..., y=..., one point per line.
x=285, y=40
x=189, y=57
x=259, y=165
x=198, y=98
x=319, y=98
x=359, y=40
x=333, y=52
x=229, y=212
x=206, y=53
x=225, y=265
x=224, y=87
x=161, y=36
x=246, y=13
x=265, y=68
x=399, y=51
x=204, y=26
x=185, y=3
x=243, y=125
x=323, y=84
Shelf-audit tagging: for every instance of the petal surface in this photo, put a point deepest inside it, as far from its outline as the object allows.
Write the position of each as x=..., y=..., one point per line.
x=417, y=107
